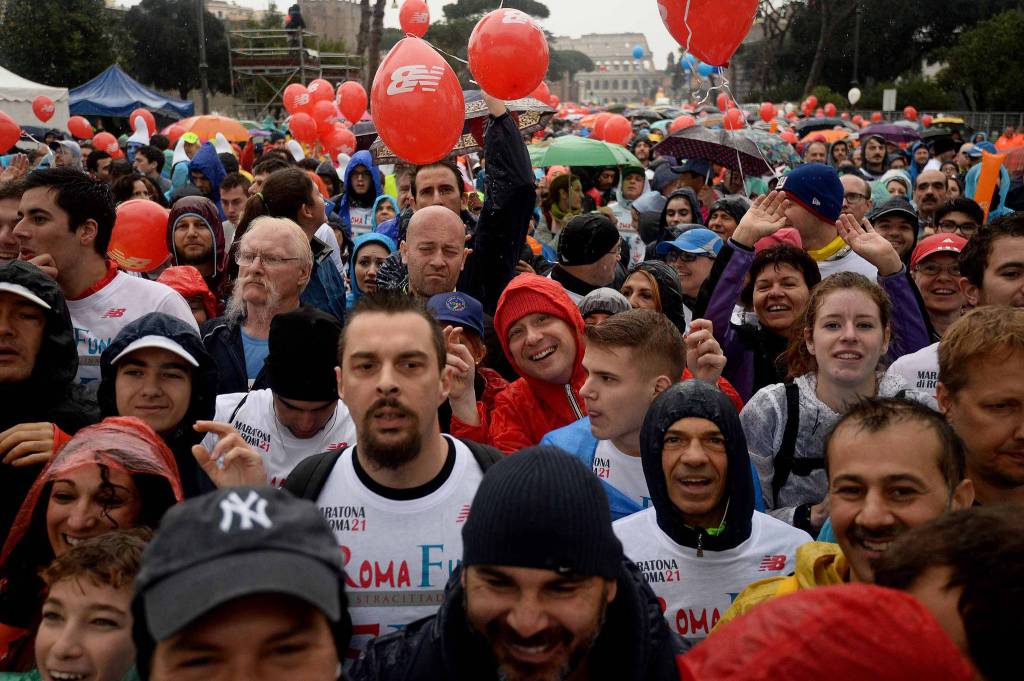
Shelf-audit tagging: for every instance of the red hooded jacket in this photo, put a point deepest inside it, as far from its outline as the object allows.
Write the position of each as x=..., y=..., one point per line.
x=529, y=408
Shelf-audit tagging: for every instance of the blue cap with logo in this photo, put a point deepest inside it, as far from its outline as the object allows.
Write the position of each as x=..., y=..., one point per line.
x=458, y=309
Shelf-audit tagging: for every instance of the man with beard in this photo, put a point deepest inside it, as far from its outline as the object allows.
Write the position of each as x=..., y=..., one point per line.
x=930, y=191
x=396, y=501
x=195, y=236
x=874, y=157
x=874, y=496
x=543, y=592
x=275, y=261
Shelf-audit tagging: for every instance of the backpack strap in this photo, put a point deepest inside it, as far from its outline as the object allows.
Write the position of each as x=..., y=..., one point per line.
x=234, y=412
x=783, y=462
x=485, y=455
x=307, y=479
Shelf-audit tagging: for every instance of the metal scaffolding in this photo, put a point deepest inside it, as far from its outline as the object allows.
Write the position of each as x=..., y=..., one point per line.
x=265, y=61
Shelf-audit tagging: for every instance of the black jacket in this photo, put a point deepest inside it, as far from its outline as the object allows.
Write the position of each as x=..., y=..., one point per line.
x=223, y=341
x=204, y=388
x=635, y=643
x=50, y=394
x=696, y=399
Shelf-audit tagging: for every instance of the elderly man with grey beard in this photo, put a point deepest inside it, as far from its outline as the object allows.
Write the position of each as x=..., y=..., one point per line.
x=274, y=265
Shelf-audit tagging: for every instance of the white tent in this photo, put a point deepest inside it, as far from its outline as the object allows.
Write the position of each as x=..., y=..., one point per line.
x=17, y=93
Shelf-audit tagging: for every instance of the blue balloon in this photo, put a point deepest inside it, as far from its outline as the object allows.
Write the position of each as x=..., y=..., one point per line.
x=705, y=70
x=638, y=52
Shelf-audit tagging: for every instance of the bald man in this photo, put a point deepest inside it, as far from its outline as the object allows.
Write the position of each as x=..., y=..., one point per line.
x=434, y=251
x=930, y=192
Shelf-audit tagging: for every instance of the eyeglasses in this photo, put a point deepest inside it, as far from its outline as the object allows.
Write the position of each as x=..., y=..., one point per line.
x=931, y=269
x=963, y=228
x=360, y=173
x=854, y=197
x=683, y=256
x=247, y=258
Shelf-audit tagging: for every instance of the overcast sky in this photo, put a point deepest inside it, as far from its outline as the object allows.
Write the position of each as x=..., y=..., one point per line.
x=568, y=17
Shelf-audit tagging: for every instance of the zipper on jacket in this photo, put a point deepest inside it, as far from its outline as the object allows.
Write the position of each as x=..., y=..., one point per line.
x=700, y=544
x=572, y=402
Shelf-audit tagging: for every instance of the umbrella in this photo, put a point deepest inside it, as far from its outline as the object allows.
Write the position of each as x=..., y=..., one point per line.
x=933, y=132
x=723, y=147
x=530, y=114
x=207, y=127
x=571, y=150
x=829, y=136
x=891, y=132
x=824, y=123
x=646, y=114
x=775, y=150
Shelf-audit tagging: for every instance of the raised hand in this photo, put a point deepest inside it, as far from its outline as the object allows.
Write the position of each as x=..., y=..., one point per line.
x=765, y=217
x=240, y=463
x=17, y=169
x=869, y=244
x=26, y=444
x=704, y=356
x=461, y=370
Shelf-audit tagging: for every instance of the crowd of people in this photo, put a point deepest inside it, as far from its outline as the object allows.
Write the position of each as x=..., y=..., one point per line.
x=479, y=420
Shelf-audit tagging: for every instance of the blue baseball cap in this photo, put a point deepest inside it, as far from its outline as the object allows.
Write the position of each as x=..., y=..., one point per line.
x=698, y=241
x=458, y=309
x=975, y=152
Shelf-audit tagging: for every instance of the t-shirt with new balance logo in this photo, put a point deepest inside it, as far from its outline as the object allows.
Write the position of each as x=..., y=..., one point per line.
x=695, y=591
x=101, y=314
x=399, y=547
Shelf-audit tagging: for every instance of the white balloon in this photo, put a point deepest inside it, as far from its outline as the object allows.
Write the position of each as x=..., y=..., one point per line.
x=790, y=107
x=853, y=95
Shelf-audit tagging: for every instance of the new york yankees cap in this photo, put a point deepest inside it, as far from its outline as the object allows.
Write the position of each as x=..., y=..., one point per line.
x=231, y=543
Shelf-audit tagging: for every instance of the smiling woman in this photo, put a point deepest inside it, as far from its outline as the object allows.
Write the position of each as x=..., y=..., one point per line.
x=117, y=474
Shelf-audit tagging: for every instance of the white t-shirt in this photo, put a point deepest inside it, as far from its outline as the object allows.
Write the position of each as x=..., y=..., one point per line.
x=695, y=592
x=851, y=262
x=622, y=471
x=919, y=369
x=257, y=423
x=99, y=316
x=360, y=220
x=398, y=555
x=326, y=234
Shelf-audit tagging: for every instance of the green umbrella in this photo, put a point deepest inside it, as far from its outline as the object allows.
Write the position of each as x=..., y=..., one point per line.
x=571, y=150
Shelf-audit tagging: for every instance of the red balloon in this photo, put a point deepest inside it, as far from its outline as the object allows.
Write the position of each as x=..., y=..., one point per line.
x=302, y=127
x=768, y=112
x=320, y=91
x=296, y=99
x=10, y=132
x=722, y=100
x=819, y=113
x=812, y=101
x=542, y=93
x=508, y=54
x=80, y=127
x=554, y=102
x=618, y=130
x=857, y=119
x=352, y=100
x=845, y=116
x=830, y=109
x=710, y=29
x=324, y=112
x=146, y=116
x=926, y=120
x=876, y=117
x=106, y=142
x=733, y=119
x=910, y=113
x=174, y=132
x=42, y=107
x=599, y=125
x=414, y=17
x=681, y=123
x=139, y=240
x=341, y=141
x=789, y=136
x=417, y=103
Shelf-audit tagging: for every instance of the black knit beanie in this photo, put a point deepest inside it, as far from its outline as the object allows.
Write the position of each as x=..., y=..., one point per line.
x=541, y=508
x=303, y=351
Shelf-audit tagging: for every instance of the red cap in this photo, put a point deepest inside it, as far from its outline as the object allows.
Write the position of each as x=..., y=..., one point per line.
x=937, y=243
x=786, y=235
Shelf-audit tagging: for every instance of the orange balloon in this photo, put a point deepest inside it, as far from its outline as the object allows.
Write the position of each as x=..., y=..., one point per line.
x=681, y=123
x=146, y=116
x=139, y=240
x=42, y=107
x=80, y=127
x=352, y=100
x=106, y=142
x=599, y=124
x=508, y=54
x=988, y=179
x=414, y=17
x=618, y=130
x=417, y=103
x=320, y=91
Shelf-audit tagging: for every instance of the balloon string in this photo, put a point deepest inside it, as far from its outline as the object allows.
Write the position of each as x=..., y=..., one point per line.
x=746, y=124
x=447, y=54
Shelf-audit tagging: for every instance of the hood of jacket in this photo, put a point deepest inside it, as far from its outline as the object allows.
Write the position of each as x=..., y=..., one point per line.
x=835, y=144
x=362, y=240
x=57, y=361
x=913, y=169
x=365, y=159
x=623, y=201
x=204, y=378
x=971, y=187
x=204, y=209
x=548, y=293
x=696, y=219
x=208, y=163
x=376, y=202
x=696, y=399
x=187, y=281
x=902, y=176
x=669, y=292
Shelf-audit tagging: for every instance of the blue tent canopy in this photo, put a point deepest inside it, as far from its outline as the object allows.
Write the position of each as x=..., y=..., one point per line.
x=115, y=93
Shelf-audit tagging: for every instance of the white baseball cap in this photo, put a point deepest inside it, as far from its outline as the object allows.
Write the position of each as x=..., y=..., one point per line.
x=19, y=290
x=161, y=342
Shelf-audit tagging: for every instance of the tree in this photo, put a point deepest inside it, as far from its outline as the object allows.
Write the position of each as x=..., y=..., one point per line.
x=57, y=42
x=166, y=53
x=984, y=65
x=567, y=61
x=390, y=37
x=376, y=31
x=364, y=27
x=474, y=9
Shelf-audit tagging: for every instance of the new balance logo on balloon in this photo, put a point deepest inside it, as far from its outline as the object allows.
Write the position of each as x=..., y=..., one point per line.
x=514, y=16
x=406, y=79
